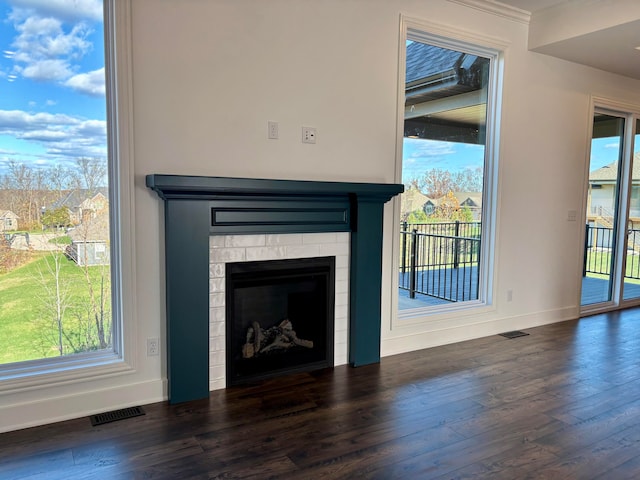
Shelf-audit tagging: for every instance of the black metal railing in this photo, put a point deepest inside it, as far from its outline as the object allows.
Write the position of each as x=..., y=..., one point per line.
x=599, y=242
x=440, y=259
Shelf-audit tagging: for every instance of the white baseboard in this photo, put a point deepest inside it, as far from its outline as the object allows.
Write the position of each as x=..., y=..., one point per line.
x=393, y=345
x=67, y=407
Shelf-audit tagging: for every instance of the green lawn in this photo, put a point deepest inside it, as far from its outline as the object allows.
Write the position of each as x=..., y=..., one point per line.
x=28, y=327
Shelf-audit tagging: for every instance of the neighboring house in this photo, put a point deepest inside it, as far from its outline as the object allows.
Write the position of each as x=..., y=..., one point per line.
x=429, y=206
x=412, y=200
x=471, y=200
x=601, y=194
x=83, y=204
x=90, y=241
x=8, y=221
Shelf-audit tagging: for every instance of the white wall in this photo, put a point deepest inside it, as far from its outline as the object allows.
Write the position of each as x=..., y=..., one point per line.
x=207, y=77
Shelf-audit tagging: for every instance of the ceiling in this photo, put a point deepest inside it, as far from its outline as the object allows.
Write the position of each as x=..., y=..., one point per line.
x=533, y=5
x=608, y=40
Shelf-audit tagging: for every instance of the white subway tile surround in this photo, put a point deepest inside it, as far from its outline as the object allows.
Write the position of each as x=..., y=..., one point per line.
x=247, y=248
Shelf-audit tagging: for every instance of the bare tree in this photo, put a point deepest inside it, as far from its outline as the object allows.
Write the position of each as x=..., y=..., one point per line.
x=21, y=180
x=76, y=314
x=99, y=289
x=41, y=192
x=60, y=179
x=437, y=182
x=468, y=180
x=55, y=296
x=92, y=174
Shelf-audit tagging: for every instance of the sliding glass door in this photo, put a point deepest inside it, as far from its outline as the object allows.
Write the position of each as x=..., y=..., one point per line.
x=611, y=270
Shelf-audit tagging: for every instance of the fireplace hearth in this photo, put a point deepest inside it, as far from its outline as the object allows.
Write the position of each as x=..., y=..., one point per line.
x=279, y=317
x=197, y=207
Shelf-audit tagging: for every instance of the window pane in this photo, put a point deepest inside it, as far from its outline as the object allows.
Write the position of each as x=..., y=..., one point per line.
x=55, y=279
x=443, y=168
x=631, y=287
x=605, y=171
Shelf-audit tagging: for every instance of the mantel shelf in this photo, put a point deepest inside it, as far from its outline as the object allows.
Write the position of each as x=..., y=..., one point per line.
x=186, y=186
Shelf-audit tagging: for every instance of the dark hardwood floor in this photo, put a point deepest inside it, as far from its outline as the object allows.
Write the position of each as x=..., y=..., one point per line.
x=561, y=403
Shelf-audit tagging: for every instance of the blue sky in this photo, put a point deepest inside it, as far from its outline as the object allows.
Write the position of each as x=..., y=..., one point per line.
x=421, y=155
x=605, y=151
x=52, y=95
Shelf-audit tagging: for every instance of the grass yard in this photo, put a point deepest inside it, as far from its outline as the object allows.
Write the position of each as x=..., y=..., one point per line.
x=599, y=262
x=28, y=327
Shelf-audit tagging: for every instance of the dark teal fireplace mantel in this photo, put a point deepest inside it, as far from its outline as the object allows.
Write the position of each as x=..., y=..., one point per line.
x=197, y=207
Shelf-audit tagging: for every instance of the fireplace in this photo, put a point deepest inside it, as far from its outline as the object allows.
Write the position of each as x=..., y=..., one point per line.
x=279, y=317
x=196, y=208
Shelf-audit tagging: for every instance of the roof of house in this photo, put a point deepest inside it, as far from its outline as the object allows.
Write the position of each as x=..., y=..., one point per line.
x=8, y=214
x=412, y=199
x=428, y=60
x=74, y=198
x=474, y=197
x=434, y=72
x=609, y=173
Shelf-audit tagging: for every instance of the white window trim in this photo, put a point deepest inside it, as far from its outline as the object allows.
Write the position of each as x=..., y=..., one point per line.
x=35, y=374
x=464, y=313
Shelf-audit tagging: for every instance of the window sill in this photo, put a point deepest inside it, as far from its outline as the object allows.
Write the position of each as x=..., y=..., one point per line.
x=36, y=374
x=468, y=313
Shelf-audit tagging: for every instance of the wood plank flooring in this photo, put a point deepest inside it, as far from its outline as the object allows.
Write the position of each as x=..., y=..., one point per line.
x=561, y=403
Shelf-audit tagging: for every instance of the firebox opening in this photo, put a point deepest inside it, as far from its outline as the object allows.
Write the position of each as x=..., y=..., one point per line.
x=279, y=317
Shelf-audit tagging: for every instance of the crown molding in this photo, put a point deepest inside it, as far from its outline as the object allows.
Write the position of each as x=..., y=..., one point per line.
x=497, y=8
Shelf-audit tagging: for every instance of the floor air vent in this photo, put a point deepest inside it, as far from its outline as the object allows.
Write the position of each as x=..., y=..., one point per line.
x=514, y=334
x=108, y=417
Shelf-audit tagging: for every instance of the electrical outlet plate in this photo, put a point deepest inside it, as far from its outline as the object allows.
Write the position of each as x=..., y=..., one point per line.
x=273, y=130
x=308, y=135
x=153, y=347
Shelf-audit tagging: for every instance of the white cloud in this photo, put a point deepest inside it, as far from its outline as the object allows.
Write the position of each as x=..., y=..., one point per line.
x=431, y=148
x=63, y=9
x=46, y=51
x=52, y=38
x=615, y=145
x=62, y=137
x=20, y=120
x=92, y=83
x=44, y=135
x=44, y=70
x=33, y=27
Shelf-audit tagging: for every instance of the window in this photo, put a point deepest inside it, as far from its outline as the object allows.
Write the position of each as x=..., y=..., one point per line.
x=64, y=174
x=448, y=167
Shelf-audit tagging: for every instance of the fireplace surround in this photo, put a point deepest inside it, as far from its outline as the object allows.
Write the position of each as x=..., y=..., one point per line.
x=197, y=207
